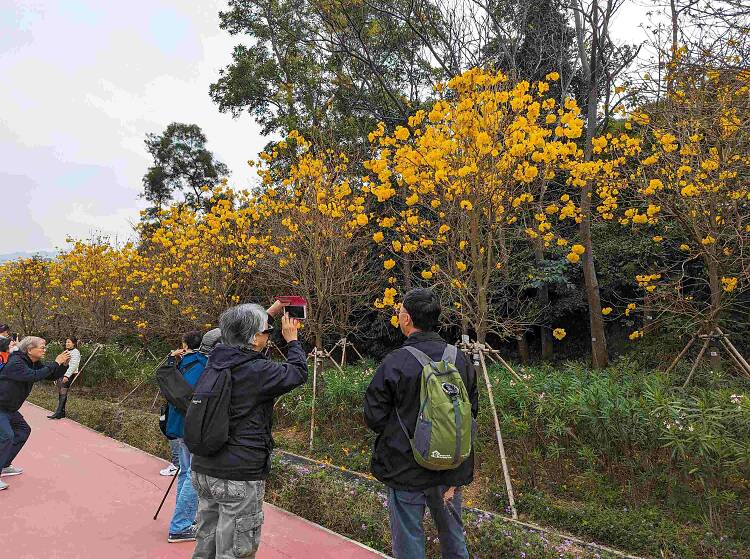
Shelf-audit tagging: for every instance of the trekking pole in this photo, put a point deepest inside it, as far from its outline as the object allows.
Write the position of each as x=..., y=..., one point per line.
x=80, y=371
x=171, y=483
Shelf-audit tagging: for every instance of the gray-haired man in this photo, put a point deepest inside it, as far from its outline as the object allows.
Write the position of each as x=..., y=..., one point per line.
x=24, y=368
x=231, y=483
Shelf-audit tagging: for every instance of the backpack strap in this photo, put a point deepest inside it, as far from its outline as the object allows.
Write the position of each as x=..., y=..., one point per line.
x=450, y=354
x=420, y=356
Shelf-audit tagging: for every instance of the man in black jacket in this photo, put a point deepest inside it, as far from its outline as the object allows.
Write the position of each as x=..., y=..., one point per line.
x=231, y=483
x=395, y=387
x=24, y=368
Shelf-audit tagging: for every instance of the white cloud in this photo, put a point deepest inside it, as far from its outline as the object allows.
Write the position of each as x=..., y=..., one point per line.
x=88, y=81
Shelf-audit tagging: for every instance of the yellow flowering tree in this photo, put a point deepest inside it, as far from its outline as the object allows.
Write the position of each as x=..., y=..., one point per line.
x=194, y=264
x=314, y=212
x=688, y=191
x=472, y=184
x=25, y=294
x=88, y=284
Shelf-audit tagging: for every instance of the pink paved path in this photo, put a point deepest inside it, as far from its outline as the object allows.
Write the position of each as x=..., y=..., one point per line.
x=84, y=495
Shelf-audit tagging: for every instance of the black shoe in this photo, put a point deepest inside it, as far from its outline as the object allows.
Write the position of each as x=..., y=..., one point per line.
x=60, y=412
x=186, y=536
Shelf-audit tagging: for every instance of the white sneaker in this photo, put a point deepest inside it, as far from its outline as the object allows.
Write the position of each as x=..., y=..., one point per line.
x=3, y=485
x=168, y=471
x=11, y=471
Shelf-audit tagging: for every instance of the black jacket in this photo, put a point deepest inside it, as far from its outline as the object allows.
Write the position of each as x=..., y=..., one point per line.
x=18, y=376
x=256, y=381
x=396, y=386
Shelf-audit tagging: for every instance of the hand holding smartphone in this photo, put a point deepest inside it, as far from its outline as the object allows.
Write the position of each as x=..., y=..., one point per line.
x=294, y=305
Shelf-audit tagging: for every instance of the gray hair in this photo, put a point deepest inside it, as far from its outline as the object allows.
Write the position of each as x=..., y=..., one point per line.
x=240, y=324
x=29, y=342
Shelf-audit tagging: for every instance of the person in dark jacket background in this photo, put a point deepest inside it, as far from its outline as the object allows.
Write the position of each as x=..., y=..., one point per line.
x=411, y=487
x=231, y=483
x=17, y=378
x=190, y=363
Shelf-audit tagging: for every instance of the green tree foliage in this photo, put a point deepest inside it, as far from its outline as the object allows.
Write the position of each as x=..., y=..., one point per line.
x=341, y=66
x=531, y=39
x=182, y=165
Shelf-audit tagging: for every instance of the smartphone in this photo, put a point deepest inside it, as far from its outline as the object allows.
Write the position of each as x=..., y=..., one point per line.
x=296, y=311
x=14, y=336
x=295, y=305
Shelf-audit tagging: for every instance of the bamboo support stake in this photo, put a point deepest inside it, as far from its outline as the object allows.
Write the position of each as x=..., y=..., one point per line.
x=343, y=343
x=682, y=353
x=137, y=386
x=697, y=361
x=735, y=355
x=335, y=363
x=506, y=473
x=734, y=358
x=505, y=364
x=136, y=355
x=732, y=349
x=80, y=371
x=323, y=354
x=315, y=385
x=271, y=346
x=156, y=396
x=356, y=351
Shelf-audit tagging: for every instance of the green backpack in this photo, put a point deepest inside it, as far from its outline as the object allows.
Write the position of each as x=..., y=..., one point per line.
x=444, y=433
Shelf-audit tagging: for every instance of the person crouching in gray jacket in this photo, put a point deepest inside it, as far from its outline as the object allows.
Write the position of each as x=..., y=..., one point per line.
x=231, y=483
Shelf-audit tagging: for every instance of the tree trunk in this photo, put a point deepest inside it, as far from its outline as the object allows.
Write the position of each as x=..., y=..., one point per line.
x=464, y=325
x=482, y=313
x=715, y=286
x=523, y=348
x=545, y=335
x=407, y=272
x=648, y=318
x=599, y=356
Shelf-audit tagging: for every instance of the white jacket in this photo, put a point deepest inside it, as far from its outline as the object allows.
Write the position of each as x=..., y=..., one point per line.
x=75, y=361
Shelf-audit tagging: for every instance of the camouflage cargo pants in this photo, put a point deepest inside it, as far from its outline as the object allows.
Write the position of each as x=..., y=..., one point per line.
x=230, y=515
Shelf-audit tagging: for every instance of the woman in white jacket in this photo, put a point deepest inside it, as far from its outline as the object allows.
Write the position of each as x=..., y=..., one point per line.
x=63, y=384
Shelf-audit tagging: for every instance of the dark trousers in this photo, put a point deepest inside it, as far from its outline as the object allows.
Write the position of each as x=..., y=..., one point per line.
x=406, y=511
x=14, y=432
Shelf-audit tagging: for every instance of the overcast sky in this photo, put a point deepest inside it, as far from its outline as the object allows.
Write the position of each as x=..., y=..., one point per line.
x=83, y=82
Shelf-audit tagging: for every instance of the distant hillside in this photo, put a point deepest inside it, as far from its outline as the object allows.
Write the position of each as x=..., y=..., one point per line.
x=16, y=255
